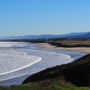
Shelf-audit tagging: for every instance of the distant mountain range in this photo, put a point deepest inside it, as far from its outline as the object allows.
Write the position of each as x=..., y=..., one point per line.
x=70, y=35
x=78, y=35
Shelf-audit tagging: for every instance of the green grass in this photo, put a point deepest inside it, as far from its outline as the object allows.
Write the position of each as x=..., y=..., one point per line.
x=39, y=86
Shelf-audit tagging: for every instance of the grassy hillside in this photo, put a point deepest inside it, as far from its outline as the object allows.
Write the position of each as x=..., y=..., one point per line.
x=71, y=43
x=72, y=76
x=39, y=86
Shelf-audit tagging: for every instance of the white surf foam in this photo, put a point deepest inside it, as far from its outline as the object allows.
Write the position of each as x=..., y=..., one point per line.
x=12, y=60
x=12, y=44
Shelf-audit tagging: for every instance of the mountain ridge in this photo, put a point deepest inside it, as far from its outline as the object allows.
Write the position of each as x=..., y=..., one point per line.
x=43, y=36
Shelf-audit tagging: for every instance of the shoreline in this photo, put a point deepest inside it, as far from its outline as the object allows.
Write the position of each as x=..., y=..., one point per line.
x=76, y=49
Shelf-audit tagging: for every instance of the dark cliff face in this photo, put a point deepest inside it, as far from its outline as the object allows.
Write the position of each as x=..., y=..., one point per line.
x=77, y=72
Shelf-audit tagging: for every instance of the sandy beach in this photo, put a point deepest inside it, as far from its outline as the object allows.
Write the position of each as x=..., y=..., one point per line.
x=77, y=49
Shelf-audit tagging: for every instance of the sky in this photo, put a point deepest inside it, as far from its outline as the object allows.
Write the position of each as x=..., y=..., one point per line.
x=33, y=17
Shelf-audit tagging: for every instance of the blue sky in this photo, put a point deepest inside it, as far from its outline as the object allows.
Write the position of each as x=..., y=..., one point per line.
x=27, y=17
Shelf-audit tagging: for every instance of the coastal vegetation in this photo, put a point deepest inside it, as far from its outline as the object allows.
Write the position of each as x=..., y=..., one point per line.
x=39, y=86
x=71, y=43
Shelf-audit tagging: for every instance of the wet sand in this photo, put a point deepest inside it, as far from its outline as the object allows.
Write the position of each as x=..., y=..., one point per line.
x=77, y=49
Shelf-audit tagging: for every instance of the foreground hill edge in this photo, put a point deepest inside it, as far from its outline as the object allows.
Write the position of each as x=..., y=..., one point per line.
x=76, y=73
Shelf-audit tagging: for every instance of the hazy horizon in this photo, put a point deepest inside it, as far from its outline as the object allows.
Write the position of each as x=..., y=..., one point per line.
x=41, y=34
x=36, y=17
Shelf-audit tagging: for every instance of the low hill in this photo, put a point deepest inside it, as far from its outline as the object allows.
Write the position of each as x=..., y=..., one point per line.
x=70, y=43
